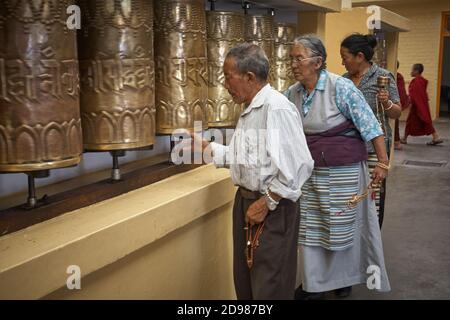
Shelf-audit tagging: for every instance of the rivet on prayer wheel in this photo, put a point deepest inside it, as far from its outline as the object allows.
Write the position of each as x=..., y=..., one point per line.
x=117, y=74
x=180, y=65
x=260, y=30
x=284, y=39
x=224, y=31
x=40, y=126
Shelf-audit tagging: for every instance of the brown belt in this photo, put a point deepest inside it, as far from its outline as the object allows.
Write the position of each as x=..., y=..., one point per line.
x=250, y=195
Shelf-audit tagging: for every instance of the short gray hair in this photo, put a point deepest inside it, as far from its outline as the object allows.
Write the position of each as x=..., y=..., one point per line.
x=313, y=43
x=250, y=58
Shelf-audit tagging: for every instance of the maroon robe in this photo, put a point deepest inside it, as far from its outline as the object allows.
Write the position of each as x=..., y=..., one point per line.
x=419, y=121
x=402, y=91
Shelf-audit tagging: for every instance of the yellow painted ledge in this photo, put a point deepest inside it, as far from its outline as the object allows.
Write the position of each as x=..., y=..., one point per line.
x=33, y=261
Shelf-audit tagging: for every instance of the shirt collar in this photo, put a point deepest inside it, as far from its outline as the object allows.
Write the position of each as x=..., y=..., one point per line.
x=373, y=70
x=258, y=99
x=321, y=82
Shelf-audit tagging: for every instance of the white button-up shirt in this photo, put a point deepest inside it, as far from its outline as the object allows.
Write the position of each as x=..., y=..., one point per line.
x=268, y=148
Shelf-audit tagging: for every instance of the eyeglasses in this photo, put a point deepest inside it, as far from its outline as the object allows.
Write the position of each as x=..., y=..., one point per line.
x=299, y=60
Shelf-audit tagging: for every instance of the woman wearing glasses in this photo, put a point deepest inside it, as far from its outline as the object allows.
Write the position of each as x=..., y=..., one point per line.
x=339, y=236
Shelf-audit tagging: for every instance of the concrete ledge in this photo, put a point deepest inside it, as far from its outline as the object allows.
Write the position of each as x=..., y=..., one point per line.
x=33, y=261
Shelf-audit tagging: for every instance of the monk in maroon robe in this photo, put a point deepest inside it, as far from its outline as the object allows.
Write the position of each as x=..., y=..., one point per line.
x=419, y=121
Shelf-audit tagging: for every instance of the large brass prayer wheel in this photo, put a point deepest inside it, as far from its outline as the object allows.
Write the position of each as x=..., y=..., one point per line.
x=224, y=31
x=180, y=65
x=284, y=39
x=260, y=30
x=115, y=47
x=40, y=126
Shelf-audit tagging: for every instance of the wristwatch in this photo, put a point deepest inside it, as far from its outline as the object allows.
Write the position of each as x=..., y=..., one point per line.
x=271, y=203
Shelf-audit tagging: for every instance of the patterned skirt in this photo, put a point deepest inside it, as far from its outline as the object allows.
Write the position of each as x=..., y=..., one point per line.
x=326, y=219
x=320, y=269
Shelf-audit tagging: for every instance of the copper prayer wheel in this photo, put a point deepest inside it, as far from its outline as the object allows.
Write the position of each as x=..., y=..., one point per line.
x=383, y=82
x=181, y=71
x=260, y=30
x=40, y=126
x=284, y=39
x=115, y=48
x=225, y=30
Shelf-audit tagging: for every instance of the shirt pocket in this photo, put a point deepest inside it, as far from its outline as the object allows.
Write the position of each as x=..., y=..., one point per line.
x=252, y=156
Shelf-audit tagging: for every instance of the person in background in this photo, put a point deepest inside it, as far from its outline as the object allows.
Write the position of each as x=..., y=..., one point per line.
x=339, y=235
x=404, y=104
x=419, y=121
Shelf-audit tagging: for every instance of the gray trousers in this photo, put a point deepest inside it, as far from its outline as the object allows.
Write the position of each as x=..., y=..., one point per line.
x=273, y=273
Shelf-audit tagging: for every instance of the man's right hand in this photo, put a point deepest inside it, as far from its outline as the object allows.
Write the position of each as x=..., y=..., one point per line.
x=198, y=137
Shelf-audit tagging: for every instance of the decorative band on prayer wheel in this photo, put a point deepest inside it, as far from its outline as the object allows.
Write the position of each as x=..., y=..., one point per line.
x=40, y=126
x=225, y=30
x=181, y=70
x=260, y=30
x=115, y=48
x=284, y=39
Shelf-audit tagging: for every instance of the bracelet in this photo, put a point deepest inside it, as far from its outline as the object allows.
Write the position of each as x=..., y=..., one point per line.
x=391, y=104
x=270, y=202
x=270, y=198
x=383, y=166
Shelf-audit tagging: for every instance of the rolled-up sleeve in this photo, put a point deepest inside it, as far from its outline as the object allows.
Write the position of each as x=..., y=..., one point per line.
x=393, y=89
x=286, y=146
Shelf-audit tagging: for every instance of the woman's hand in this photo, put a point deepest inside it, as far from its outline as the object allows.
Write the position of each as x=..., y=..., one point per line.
x=393, y=111
x=378, y=175
x=383, y=97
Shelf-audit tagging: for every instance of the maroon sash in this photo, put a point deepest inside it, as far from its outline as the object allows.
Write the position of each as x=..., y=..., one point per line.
x=338, y=146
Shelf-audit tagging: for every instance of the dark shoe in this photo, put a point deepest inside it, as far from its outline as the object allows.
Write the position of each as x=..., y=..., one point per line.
x=303, y=295
x=435, y=142
x=343, y=292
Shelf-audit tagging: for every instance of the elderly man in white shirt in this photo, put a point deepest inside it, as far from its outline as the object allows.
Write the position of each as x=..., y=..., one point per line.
x=269, y=160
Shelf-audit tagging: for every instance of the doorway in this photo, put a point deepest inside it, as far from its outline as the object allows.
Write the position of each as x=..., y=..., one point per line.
x=443, y=106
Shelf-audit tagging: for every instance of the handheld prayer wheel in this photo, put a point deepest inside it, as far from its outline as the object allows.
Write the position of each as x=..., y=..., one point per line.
x=383, y=83
x=181, y=70
x=115, y=47
x=260, y=30
x=40, y=126
x=284, y=39
x=225, y=30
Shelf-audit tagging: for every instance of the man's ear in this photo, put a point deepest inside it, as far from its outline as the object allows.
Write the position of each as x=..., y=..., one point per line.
x=251, y=76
